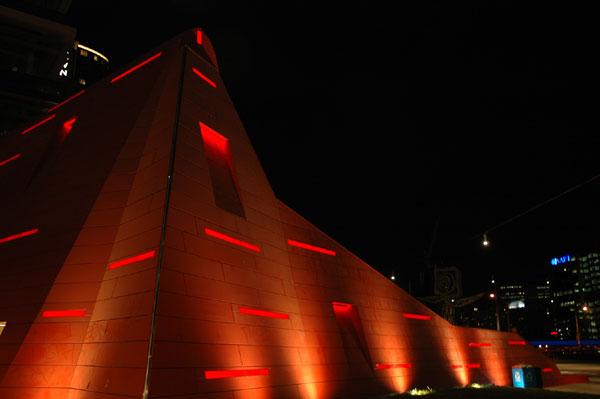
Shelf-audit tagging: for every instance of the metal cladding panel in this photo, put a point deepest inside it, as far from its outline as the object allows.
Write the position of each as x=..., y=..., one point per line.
x=144, y=246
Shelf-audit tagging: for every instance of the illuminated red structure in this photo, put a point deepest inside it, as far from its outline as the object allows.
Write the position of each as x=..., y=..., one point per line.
x=144, y=254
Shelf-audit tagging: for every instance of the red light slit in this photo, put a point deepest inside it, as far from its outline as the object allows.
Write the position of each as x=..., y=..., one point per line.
x=479, y=344
x=554, y=333
x=38, y=124
x=210, y=82
x=517, y=342
x=340, y=304
x=473, y=366
x=10, y=159
x=66, y=101
x=393, y=366
x=63, y=313
x=199, y=37
x=311, y=247
x=231, y=240
x=457, y=366
x=547, y=370
x=213, y=374
x=416, y=316
x=155, y=56
x=264, y=313
x=20, y=235
x=133, y=259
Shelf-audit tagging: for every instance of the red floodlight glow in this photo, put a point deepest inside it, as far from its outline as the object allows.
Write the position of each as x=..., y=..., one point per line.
x=416, y=316
x=214, y=374
x=20, y=235
x=311, y=247
x=479, y=344
x=554, y=333
x=133, y=259
x=393, y=366
x=38, y=124
x=199, y=37
x=231, y=240
x=548, y=370
x=66, y=101
x=207, y=80
x=10, y=159
x=264, y=313
x=473, y=366
x=127, y=72
x=517, y=342
x=63, y=313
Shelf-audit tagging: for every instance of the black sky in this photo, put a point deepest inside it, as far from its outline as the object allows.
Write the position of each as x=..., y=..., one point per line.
x=376, y=122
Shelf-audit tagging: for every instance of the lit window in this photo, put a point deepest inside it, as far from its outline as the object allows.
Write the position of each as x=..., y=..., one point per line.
x=2, y=325
x=84, y=53
x=82, y=81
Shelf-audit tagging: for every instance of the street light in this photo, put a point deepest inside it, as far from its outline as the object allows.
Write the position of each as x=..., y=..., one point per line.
x=485, y=241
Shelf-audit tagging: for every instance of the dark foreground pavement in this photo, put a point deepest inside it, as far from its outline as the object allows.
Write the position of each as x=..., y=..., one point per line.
x=590, y=369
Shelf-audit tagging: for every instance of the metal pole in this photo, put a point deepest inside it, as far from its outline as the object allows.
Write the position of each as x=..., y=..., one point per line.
x=578, y=336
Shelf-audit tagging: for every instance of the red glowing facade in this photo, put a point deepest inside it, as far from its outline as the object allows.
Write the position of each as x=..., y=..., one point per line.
x=145, y=255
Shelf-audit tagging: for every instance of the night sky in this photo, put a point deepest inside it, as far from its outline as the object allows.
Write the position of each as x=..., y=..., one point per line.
x=377, y=124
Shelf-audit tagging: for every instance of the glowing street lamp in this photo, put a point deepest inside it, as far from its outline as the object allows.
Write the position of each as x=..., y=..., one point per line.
x=485, y=241
x=585, y=309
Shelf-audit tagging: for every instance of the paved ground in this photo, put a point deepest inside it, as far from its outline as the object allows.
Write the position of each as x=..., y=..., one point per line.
x=591, y=369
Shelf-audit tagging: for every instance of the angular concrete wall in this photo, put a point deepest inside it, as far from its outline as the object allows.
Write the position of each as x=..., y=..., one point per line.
x=147, y=226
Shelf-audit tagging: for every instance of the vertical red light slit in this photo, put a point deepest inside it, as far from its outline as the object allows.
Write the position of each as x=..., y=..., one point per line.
x=155, y=56
x=199, y=37
x=473, y=366
x=20, y=235
x=479, y=344
x=133, y=259
x=311, y=247
x=210, y=82
x=393, y=366
x=416, y=316
x=213, y=374
x=66, y=101
x=231, y=240
x=517, y=342
x=10, y=159
x=38, y=124
x=264, y=313
x=63, y=313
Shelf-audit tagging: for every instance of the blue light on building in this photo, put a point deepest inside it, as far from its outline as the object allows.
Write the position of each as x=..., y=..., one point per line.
x=562, y=259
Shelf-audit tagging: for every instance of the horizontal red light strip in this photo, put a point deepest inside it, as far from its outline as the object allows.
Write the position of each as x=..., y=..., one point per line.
x=393, y=366
x=554, y=333
x=479, y=344
x=547, y=370
x=517, y=342
x=66, y=101
x=210, y=82
x=10, y=159
x=311, y=247
x=473, y=366
x=63, y=313
x=213, y=374
x=457, y=366
x=264, y=313
x=20, y=235
x=232, y=240
x=133, y=259
x=155, y=56
x=344, y=305
x=38, y=124
x=416, y=316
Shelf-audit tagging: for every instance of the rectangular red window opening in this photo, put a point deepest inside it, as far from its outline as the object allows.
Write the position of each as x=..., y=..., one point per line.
x=66, y=101
x=393, y=366
x=222, y=171
x=133, y=259
x=264, y=313
x=127, y=72
x=204, y=77
x=20, y=235
x=416, y=316
x=517, y=342
x=457, y=366
x=554, y=333
x=547, y=370
x=231, y=240
x=63, y=313
x=9, y=159
x=199, y=37
x=479, y=344
x=38, y=124
x=214, y=374
x=311, y=247
x=473, y=366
